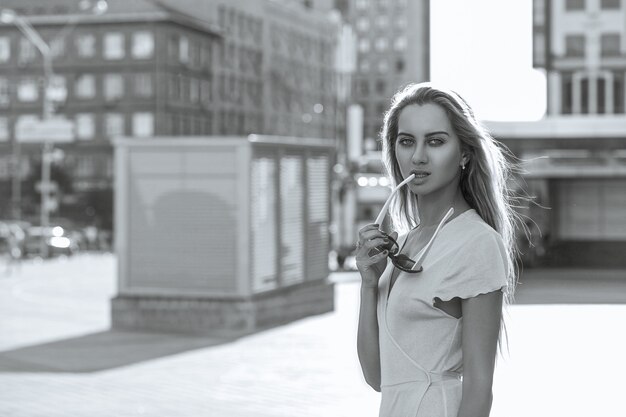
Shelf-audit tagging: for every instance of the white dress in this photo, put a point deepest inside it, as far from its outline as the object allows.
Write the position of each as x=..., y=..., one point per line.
x=420, y=345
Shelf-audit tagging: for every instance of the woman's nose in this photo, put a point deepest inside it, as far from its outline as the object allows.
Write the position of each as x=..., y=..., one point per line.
x=419, y=156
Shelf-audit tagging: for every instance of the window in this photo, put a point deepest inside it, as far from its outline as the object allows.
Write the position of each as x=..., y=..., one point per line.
x=57, y=91
x=57, y=48
x=364, y=45
x=400, y=43
x=113, y=87
x=572, y=5
x=610, y=4
x=143, y=45
x=27, y=52
x=142, y=85
x=399, y=65
x=381, y=44
x=85, y=45
x=380, y=86
x=205, y=91
x=143, y=124
x=114, y=124
x=363, y=24
x=194, y=90
x=114, y=46
x=584, y=96
x=364, y=87
x=364, y=66
x=601, y=91
x=183, y=50
x=382, y=21
x=85, y=166
x=618, y=92
x=609, y=43
x=566, y=93
x=28, y=90
x=85, y=86
x=5, y=48
x=401, y=22
x=383, y=66
x=575, y=45
x=4, y=129
x=5, y=94
x=362, y=4
x=85, y=126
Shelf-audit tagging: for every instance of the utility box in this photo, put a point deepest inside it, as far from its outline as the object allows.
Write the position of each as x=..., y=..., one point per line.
x=221, y=234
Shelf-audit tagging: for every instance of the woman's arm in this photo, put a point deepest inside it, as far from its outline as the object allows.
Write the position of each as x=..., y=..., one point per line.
x=367, y=337
x=371, y=266
x=481, y=326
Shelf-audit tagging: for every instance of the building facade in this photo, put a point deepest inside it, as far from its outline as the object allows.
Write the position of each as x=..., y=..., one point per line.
x=393, y=50
x=148, y=68
x=581, y=44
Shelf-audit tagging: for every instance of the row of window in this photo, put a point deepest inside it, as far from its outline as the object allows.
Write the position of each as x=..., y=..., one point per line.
x=382, y=66
x=84, y=46
x=576, y=5
x=366, y=4
x=363, y=87
x=592, y=94
x=610, y=45
x=381, y=22
x=84, y=87
x=86, y=128
x=382, y=44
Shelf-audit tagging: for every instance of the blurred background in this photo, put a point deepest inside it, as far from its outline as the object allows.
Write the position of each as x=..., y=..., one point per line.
x=200, y=168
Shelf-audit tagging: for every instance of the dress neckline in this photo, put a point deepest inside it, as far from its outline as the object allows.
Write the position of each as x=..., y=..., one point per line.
x=421, y=255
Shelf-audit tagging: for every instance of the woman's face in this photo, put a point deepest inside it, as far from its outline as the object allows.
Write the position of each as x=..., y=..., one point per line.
x=427, y=146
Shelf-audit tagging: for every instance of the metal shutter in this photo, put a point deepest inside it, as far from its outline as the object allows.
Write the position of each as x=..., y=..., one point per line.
x=263, y=223
x=318, y=209
x=292, y=220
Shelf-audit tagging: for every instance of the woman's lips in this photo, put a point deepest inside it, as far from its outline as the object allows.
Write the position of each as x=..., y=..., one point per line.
x=420, y=174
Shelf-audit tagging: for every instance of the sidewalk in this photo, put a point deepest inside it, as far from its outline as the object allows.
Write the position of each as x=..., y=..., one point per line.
x=59, y=359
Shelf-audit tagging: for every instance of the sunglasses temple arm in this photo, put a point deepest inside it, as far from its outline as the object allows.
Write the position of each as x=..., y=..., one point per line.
x=383, y=212
x=418, y=263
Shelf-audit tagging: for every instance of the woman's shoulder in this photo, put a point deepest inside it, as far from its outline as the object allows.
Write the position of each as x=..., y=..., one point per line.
x=474, y=233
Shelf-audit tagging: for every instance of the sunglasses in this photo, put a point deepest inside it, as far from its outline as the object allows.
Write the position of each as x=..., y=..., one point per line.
x=399, y=260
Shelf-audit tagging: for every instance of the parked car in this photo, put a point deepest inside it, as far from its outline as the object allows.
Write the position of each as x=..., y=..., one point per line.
x=56, y=238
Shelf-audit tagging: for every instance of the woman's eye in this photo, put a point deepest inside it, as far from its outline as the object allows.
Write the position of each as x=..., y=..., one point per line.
x=405, y=141
x=436, y=141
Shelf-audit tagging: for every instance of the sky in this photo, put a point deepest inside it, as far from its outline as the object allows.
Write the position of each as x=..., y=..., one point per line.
x=482, y=49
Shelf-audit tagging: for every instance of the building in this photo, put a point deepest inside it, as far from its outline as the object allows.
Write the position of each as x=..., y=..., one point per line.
x=581, y=45
x=393, y=50
x=162, y=67
x=573, y=159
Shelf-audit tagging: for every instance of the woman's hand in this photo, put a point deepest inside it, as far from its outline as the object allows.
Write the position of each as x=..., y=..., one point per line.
x=371, y=255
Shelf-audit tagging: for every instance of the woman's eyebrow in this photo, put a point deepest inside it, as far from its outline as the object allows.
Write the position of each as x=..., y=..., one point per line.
x=438, y=132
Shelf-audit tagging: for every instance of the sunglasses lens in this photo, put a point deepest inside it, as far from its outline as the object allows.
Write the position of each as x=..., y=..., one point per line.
x=404, y=261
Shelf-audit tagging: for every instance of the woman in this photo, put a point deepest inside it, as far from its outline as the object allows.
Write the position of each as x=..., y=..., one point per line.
x=430, y=319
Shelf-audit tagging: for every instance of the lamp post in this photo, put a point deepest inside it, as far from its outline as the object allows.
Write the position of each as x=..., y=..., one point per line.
x=9, y=16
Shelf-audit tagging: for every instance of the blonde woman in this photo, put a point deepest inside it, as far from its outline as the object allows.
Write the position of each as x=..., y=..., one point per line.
x=432, y=299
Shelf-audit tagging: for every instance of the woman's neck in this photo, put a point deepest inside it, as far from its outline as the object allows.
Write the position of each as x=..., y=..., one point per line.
x=432, y=209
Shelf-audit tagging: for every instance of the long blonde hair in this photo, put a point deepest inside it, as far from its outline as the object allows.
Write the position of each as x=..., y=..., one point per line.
x=483, y=182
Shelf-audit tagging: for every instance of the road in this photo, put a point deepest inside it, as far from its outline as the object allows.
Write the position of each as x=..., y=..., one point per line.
x=58, y=357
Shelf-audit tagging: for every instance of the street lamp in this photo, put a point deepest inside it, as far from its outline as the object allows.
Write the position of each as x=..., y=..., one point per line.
x=9, y=16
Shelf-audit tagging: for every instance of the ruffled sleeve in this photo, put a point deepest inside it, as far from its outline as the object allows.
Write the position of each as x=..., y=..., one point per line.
x=478, y=267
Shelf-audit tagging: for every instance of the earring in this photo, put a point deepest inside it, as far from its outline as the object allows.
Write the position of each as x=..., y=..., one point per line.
x=463, y=166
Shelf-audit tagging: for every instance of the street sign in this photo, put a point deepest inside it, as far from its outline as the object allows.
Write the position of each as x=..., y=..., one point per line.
x=35, y=130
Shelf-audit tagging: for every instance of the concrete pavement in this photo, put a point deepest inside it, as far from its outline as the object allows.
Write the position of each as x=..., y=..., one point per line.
x=58, y=357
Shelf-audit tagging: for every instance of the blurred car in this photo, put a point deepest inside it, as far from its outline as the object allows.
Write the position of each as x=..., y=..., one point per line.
x=57, y=240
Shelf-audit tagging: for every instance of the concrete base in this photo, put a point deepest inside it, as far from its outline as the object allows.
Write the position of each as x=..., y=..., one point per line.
x=214, y=316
